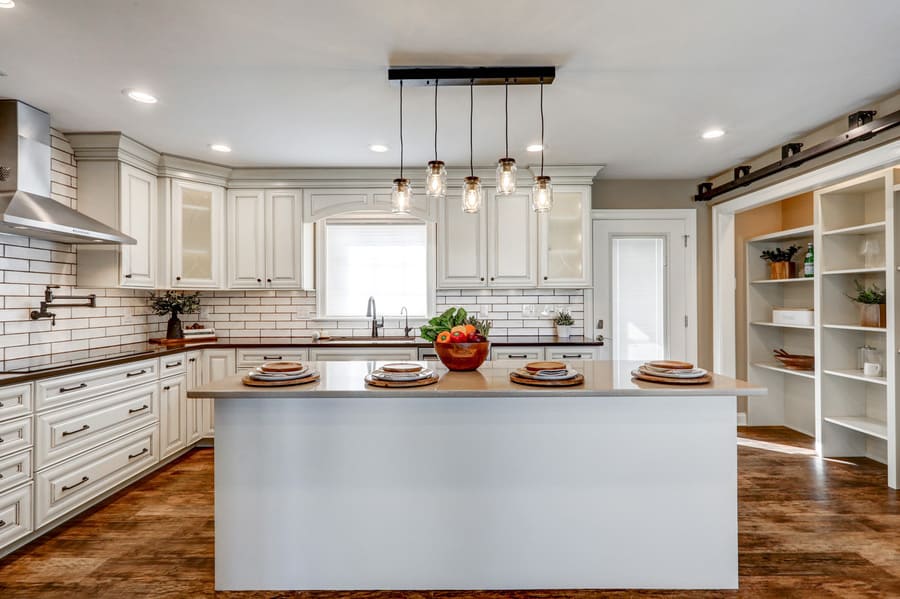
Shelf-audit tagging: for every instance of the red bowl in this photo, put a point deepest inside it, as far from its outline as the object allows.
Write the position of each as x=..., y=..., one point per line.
x=463, y=356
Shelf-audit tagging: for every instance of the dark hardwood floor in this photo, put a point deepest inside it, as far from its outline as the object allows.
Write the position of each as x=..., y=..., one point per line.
x=808, y=528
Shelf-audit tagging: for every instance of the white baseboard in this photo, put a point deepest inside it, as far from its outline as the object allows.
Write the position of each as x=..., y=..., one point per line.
x=742, y=418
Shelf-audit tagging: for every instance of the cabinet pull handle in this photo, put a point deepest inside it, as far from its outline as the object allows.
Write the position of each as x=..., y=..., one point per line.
x=1, y=404
x=1, y=439
x=571, y=355
x=75, y=388
x=138, y=373
x=80, y=430
x=2, y=523
x=83, y=480
x=517, y=356
x=131, y=456
x=140, y=409
x=127, y=276
x=192, y=359
x=173, y=364
x=271, y=357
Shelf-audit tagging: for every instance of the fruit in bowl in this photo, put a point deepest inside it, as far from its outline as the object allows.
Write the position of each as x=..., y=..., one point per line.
x=460, y=340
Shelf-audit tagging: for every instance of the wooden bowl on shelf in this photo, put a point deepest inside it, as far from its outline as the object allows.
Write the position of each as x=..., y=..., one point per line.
x=463, y=356
x=795, y=361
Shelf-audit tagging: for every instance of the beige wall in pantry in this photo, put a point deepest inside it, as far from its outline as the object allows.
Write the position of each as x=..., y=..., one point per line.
x=642, y=194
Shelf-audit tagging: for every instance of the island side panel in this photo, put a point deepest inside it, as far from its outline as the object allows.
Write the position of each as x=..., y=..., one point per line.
x=476, y=493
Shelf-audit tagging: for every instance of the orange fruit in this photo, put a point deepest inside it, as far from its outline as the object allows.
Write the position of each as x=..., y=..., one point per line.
x=443, y=337
x=470, y=328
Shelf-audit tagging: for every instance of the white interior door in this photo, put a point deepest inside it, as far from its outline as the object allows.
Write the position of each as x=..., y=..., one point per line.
x=645, y=288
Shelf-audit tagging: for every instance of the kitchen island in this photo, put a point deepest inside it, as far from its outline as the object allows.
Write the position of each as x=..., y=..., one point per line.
x=476, y=482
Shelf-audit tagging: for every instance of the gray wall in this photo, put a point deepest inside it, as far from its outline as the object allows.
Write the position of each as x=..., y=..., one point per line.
x=670, y=193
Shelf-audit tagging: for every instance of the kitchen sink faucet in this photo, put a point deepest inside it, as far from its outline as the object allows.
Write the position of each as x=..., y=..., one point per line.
x=406, y=328
x=370, y=313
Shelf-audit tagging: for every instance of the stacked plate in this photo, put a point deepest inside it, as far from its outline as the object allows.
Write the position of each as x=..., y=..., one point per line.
x=546, y=371
x=669, y=369
x=281, y=371
x=401, y=372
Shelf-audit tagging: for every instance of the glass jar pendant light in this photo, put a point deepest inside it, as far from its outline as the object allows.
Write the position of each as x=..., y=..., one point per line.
x=472, y=194
x=436, y=173
x=542, y=191
x=506, y=166
x=401, y=193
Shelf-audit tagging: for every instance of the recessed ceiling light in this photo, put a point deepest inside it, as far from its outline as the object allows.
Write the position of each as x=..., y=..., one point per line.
x=712, y=133
x=139, y=96
x=379, y=148
x=219, y=148
x=7, y=3
x=535, y=148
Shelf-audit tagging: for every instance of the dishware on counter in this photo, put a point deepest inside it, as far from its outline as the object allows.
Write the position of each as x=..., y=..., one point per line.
x=518, y=376
x=671, y=372
x=548, y=365
x=546, y=374
x=280, y=374
x=282, y=367
x=374, y=381
x=794, y=361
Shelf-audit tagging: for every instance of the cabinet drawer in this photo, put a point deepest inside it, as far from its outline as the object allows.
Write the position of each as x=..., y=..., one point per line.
x=63, y=433
x=249, y=358
x=15, y=469
x=517, y=353
x=572, y=353
x=70, y=484
x=66, y=389
x=15, y=514
x=15, y=435
x=15, y=401
x=428, y=353
x=172, y=365
x=363, y=353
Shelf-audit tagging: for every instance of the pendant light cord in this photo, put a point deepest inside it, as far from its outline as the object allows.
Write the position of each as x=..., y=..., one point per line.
x=436, y=83
x=401, y=128
x=506, y=114
x=471, y=117
x=542, y=126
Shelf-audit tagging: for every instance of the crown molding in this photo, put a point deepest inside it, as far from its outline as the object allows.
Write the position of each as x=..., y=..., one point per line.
x=113, y=145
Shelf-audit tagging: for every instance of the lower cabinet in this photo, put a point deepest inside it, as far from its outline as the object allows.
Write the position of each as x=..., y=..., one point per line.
x=585, y=352
x=333, y=354
x=66, y=486
x=217, y=364
x=529, y=352
x=173, y=409
x=15, y=514
x=194, y=410
x=548, y=352
x=251, y=358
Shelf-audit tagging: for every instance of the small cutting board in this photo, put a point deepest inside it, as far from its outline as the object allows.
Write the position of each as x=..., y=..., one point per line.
x=671, y=365
x=578, y=379
x=398, y=384
x=254, y=383
x=702, y=380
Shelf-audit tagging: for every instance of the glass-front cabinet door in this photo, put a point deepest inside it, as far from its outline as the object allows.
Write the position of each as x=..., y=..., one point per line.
x=565, y=239
x=198, y=220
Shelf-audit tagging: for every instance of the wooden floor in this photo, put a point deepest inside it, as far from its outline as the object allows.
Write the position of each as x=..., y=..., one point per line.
x=808, y=528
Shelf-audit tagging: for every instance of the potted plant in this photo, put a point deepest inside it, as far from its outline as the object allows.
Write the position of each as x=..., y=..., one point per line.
x=460, y=340
x=872, y=305
x=564, y=322
x=780, y=262
x=173, y=303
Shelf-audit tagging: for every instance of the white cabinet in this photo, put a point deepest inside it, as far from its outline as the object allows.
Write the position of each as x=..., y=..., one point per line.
x=195, y=407
x=564, y=241
x=264, y=239
x=529, y=352
x=197, y=228
x=322, y=203
x=585, y=352
x=512, y=241
x=124, y=197
x=15, y=514
x=336, y=354
x=461, y=247
x=172, y=414
x=15, y=401
x=217, y=365
x=251, y=358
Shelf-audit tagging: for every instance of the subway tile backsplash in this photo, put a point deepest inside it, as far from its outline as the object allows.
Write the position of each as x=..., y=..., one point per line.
x=123, y=315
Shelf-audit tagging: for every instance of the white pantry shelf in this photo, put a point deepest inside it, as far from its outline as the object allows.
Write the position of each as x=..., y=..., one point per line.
x=858, y=229
x=855, y=271
x=807, y=327
x=857, y=375
x=862, y=424
x=779, y=281
x=798, y=233
x=855, y=327
x=806, y=374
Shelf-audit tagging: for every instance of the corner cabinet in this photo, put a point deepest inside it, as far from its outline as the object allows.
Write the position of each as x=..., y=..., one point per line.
x=564, y=241
x=264, y=239
x=197, y=224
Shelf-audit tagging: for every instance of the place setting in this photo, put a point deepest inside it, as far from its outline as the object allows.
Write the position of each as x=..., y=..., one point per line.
x=402, y=374
x=280, y=374
x=546, y=374
x=671, y=372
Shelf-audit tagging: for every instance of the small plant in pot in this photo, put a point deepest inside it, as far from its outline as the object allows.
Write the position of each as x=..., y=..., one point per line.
x=872, y=302
x=173, y=304
x=564, y=322
x=780, y=262
x=460, y=340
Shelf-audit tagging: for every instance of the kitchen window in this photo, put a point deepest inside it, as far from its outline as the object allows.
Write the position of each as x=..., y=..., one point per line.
x=384, y=257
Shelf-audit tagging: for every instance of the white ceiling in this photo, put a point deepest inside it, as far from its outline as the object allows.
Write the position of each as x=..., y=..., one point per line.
x=304, y=83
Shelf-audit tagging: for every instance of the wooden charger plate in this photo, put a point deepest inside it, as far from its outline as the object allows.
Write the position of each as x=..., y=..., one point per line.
x=392, y=384
x=254, y=383
x=281, y=366
x=538, y=366
x=643, y=376
x=401, y=367
x=671, y=364
x=578, y=379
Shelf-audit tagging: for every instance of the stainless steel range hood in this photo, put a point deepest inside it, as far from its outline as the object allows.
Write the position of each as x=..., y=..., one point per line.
x=26, y=207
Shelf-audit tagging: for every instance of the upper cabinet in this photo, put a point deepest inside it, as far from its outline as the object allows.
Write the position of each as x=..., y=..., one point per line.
x=124, y=197
x=197, y=214
x=512, y=241
x=565, y=239
x=461, y=247
x=264, y=239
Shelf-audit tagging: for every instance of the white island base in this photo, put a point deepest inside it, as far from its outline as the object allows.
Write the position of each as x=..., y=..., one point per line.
x=438, y=490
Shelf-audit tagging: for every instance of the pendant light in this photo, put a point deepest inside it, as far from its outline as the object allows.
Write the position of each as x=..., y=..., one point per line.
x=436, y=173
x=401, y=194
x=506, y=166
x=472, y=191
x=542, y=191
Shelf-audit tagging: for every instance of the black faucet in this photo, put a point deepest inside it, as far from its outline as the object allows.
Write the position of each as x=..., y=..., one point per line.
x=370, y=313
x=49, y=299
x=406, y=327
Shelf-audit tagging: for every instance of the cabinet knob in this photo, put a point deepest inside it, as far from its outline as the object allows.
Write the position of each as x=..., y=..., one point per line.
x=177, y=278
x=482, y=278
x=268, y=280
x=545, y=278
x=492, y=278
x=259, y=280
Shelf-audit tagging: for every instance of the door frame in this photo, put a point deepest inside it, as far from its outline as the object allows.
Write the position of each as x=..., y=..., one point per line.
x=686, y=215
x=724, y=278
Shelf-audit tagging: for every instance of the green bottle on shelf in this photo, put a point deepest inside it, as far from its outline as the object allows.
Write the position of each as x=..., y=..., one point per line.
x=809, y=261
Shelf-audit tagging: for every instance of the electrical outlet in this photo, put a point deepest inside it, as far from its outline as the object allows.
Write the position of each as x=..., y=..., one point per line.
x=204, y=312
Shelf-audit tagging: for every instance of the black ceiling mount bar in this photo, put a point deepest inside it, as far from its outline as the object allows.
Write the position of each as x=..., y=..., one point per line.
x=425, y=76
x=706, y=192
